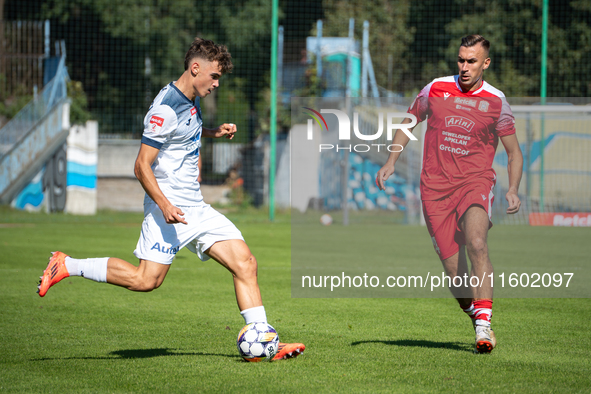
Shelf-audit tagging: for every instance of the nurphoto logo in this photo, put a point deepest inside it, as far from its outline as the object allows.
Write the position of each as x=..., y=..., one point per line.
x=344, y=130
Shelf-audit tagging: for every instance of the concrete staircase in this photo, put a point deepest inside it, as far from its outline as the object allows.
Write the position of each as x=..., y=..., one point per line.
x=30, y=139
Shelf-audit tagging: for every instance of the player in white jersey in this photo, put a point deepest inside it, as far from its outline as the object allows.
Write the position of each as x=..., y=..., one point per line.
x=175, y=215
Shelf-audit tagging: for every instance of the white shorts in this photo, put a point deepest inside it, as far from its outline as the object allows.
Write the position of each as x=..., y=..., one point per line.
x=159, y=241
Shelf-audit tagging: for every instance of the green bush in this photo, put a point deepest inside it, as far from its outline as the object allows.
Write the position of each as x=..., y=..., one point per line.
x=79, y=113
x=11, y=104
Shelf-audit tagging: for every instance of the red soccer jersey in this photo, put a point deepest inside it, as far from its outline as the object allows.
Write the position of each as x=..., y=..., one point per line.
x=463, y=132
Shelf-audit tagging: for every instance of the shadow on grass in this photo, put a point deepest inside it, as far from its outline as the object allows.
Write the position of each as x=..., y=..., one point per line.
x=459, y=346
x=141, y=353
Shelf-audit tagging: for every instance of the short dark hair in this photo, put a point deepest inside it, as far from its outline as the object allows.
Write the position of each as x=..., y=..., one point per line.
x=473, y=39
x=210, y=51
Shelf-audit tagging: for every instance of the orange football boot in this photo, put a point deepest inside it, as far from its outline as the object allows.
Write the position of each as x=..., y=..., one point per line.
x=56, y=270
x=289, y=350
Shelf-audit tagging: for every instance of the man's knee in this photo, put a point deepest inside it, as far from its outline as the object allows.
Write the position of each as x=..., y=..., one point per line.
x=246, y=267
x=477, y=245
x=145, y=283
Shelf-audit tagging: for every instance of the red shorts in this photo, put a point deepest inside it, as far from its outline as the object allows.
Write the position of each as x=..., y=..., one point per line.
x=443, y=216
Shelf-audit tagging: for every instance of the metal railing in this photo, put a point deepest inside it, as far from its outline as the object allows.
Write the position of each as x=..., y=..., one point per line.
x=18, y=127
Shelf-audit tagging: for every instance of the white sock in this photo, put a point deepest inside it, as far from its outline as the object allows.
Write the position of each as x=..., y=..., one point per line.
x=487, y=314
x=254, y=315
x=93, y=269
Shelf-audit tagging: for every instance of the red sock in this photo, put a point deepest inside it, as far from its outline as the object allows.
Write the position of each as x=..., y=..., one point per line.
x=469, y=310
x=482, y=311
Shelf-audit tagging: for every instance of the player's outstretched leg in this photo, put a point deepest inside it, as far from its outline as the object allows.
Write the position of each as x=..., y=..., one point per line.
x=289, y=350
x=62, y=266
x=145, y=277
x=235, y=255
x=56, y=270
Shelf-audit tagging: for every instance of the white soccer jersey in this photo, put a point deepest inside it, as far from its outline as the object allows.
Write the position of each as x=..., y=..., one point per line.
x=173, y=124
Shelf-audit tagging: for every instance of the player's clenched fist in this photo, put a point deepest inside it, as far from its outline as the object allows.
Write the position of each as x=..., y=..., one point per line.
x=228, y=130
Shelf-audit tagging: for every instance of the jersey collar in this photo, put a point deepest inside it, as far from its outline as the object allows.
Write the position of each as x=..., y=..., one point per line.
x=457, y=79
x=181, y=93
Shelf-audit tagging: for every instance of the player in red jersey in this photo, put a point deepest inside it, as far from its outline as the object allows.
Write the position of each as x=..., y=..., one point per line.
x=466, y=118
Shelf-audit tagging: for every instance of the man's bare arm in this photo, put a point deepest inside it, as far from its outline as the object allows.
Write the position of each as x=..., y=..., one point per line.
x=400, y=138
x=515, y=169
x=227, y=129
x=144, y=174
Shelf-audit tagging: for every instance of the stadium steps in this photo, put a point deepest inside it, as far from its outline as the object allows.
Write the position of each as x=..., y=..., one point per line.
x=33, y=136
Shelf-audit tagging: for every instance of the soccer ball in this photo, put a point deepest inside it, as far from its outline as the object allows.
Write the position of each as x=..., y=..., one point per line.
x=258, y=342
x=326, y=219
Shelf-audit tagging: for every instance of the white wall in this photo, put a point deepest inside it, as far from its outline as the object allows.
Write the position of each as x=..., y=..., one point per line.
x=82, y=169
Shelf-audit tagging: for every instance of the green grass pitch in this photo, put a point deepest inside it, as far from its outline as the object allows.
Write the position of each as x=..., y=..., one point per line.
x=96, y=338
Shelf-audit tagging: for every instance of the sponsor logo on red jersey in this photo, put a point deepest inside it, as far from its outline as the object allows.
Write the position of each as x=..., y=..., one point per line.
x=465, y=101
x=459, y=121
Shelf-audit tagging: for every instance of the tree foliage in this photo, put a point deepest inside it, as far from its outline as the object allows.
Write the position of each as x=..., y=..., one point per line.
x=124, y=51
x=423, y=38
x=514, y=28
x=389, y=34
